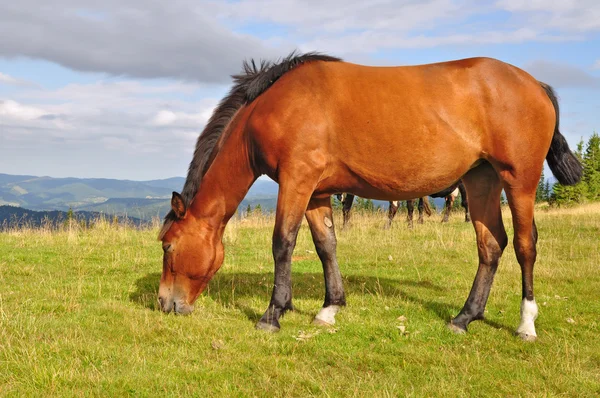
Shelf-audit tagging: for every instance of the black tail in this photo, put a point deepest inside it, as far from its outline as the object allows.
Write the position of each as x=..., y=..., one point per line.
x=564, y=165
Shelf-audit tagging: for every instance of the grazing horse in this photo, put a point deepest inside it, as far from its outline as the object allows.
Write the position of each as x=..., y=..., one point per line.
x=318, y=126
x=448, y=194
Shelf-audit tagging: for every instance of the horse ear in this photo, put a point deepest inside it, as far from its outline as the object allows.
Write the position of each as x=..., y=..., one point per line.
x=178, y=205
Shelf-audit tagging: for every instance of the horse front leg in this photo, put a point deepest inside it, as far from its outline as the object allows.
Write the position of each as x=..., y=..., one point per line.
x=410, y=207
x=320, y=220
x=449, y=202
x=291, y=206
x=392, y=210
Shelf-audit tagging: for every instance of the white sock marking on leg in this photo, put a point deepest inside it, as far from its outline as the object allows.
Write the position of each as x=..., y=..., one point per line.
x=327, y=314
x=529, y=312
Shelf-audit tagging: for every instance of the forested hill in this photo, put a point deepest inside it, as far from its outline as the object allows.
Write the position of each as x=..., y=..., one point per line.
x=14, y=217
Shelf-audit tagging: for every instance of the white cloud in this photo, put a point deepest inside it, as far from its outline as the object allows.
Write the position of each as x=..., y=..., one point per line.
x=565, y=15
x=166, y=117
x=341, y=15
x=368, y=27
x=542, y=5
x=364, y=42
x=15, y=110
x=181, y=40
x=122, y=123
x=205, y=41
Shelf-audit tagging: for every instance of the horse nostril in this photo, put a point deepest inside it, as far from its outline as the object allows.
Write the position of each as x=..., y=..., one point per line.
x=161, y=301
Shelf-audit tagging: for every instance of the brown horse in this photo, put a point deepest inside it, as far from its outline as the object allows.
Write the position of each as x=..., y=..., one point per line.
x=319, y=126
x=449, y=194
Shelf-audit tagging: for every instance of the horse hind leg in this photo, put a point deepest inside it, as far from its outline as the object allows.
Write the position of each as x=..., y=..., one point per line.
x=464, y=201
x=521, y=200
x=320, y=220
x=420, y=207
x=392, y=210
x=427, y=206
x=484, y=187
x=346, y=207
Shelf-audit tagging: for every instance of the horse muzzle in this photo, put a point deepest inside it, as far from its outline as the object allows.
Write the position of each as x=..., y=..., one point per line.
x=178, y=306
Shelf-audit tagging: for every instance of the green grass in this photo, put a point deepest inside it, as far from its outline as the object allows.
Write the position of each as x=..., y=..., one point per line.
x=78, y=315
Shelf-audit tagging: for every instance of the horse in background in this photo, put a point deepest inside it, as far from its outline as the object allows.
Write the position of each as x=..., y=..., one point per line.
x=347, y=200
x=318, y=126
x=449, y=194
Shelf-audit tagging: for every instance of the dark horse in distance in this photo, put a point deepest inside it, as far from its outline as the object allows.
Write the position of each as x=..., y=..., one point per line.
x=319, y=126
x=449, y=194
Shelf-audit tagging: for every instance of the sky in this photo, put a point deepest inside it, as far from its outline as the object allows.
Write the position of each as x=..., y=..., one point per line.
x=122, y=90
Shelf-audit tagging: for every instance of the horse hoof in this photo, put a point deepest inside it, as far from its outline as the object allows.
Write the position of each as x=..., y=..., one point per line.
x=527, y=337
x=267, y=327
x=456, y=329
x=321, y=323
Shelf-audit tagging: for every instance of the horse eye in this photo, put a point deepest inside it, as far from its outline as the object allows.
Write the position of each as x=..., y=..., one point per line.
x=166, y=247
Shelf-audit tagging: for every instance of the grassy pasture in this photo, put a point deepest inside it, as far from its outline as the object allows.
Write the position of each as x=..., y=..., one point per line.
x=78, y=315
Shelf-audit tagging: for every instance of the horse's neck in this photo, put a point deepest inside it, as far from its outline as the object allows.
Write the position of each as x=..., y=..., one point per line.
x=226, y=182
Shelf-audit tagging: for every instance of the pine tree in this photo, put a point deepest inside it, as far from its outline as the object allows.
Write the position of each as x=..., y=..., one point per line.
x=359, y=204
x=591, y=168
x=248, y=209
x=69, y=218
x=539, y=192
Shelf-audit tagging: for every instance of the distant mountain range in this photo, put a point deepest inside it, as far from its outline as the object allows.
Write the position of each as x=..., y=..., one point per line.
x=138, y=199
x=141, y=200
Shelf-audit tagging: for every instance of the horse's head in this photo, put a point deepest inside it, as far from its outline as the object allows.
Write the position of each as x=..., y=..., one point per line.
x=193, y=252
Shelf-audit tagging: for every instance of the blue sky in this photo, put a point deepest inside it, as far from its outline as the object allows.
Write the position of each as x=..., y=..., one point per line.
x=122, y=90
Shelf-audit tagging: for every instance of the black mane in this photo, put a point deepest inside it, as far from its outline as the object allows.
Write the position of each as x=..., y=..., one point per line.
x=248, y=85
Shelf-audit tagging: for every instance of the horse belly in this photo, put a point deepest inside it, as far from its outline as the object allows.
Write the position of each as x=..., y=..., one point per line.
x=400, y=169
